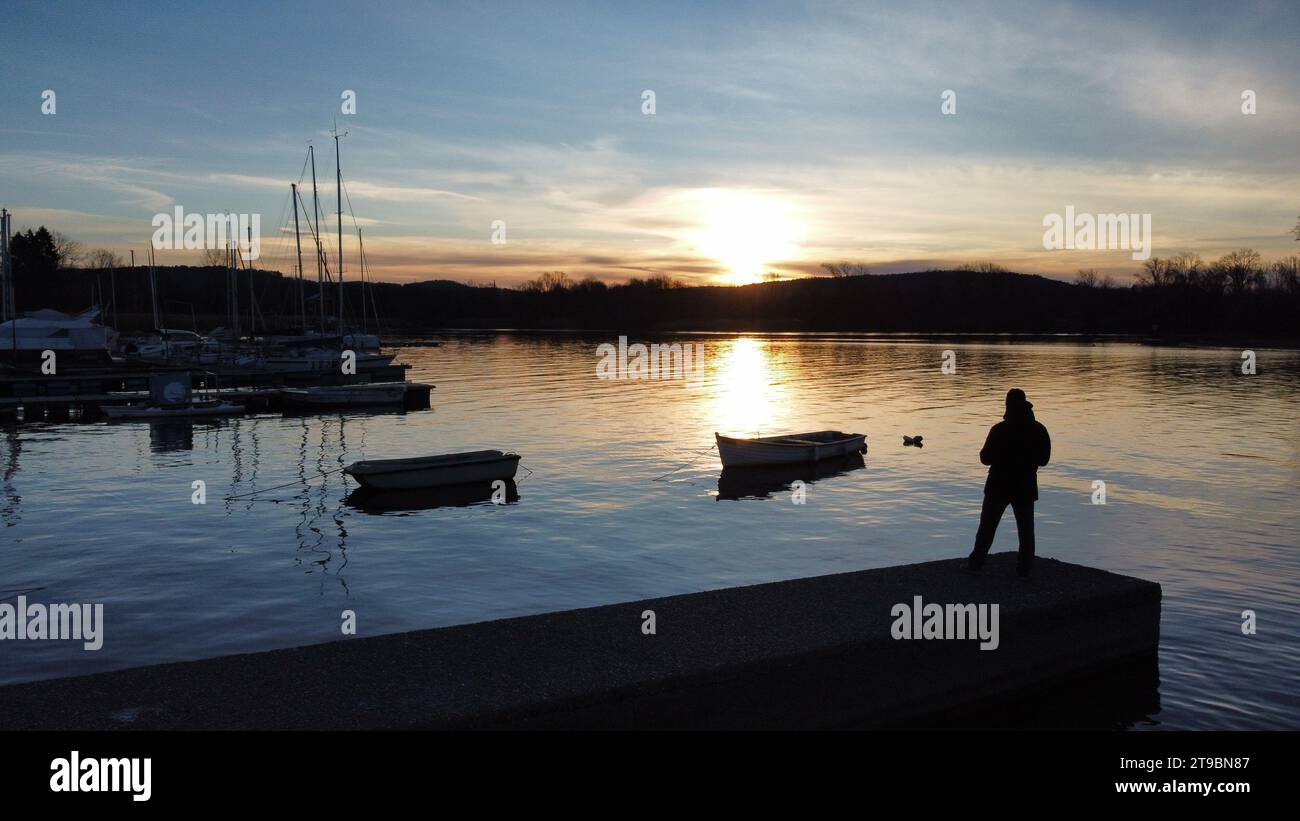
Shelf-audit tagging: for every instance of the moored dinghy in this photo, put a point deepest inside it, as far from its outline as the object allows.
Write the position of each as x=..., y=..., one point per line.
x=367, y=393
x=791, y=449
x=212, y=407
x=434, y=471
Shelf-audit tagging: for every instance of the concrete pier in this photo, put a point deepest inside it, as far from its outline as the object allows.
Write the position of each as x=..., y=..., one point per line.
x=808, y=653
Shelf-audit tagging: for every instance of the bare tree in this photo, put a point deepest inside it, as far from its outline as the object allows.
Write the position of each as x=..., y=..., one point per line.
x=663, y=282
x=216, y=257
x=102, y=258
x=982, y=268
x=1285, y=274
x=846, y=269
x=1214, y=278
x=1153, y=273
x=1087, y=277
x=548, y=283
x=1242, y=268
x=1186, y=268
x=69, y=250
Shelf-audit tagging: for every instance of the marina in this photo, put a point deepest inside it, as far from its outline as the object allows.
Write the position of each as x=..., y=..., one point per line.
x=58, y=366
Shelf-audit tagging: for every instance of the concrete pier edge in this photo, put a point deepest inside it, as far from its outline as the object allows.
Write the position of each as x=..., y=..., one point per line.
x=806, y=653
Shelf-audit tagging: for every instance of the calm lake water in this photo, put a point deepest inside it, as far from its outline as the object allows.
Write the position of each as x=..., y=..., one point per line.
x=1201, y=466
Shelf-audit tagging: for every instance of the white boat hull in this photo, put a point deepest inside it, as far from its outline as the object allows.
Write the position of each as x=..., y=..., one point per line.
x=160, y=412
x=384, y=393
x=332, y=361
x=78, y=340
x=788, y=450
x=436, y=471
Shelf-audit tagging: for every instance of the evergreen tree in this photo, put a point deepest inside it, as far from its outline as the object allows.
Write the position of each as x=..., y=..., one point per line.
x=33, y=253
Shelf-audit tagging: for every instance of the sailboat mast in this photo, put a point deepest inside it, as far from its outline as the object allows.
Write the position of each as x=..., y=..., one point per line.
x=233, y=278
x=252, y=297
x=361, y=254
x=10, y=308
x=5, y=307
x=320, y=270
x=338, y=192
x=112, y=286
x=297, y=238
x=153, y=288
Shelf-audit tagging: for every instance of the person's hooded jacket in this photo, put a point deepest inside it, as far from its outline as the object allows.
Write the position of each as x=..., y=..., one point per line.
x=1014, y=451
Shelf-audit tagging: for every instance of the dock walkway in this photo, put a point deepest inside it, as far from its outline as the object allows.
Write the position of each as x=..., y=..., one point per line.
x=808, y=653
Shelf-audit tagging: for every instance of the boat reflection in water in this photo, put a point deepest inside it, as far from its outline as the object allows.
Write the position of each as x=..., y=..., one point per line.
x=175, y=435
x=342, y=413
x=367, y=500
x=762, y=482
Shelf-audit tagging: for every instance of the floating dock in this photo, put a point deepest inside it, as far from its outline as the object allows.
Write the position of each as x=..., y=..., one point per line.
x=80, y=394
x=807, y=653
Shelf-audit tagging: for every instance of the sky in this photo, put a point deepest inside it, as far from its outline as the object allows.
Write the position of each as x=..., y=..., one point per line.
x=783, y=135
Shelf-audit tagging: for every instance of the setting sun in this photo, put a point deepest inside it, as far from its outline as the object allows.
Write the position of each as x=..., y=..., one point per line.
x=745, y=232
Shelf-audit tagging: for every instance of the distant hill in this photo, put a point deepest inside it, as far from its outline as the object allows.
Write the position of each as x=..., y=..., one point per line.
x=967, y=302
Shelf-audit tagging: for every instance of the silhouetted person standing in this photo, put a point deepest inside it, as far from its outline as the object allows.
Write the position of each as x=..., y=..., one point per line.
x=1014, y=451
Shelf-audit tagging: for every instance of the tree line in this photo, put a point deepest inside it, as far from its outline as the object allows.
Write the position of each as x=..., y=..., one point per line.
x=1176, y=297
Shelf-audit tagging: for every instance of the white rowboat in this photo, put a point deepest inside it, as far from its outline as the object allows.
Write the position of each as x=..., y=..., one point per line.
x=434, y=471
x=214, y=407
x=792, y=449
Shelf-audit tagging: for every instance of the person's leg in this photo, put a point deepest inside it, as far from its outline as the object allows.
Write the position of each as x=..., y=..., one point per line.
x=1024, y=511
x=990, y=515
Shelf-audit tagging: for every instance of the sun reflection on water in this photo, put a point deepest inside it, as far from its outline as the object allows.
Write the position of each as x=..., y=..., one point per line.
x=747, y=400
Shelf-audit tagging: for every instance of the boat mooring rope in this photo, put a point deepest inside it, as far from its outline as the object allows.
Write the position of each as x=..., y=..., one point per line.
x=695, y=459
x=303, y=480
